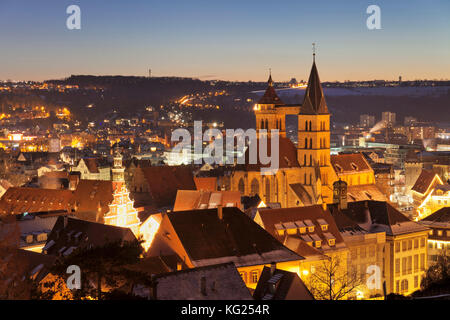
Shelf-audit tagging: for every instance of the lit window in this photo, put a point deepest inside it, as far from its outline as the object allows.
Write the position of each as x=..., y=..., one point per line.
x=254, y=276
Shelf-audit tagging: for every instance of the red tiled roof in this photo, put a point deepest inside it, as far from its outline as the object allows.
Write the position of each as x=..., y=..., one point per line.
x=271, y=217
x=165, y=181
x=17, y=200
x=206, y=183
x=424, y=181
x=346, y=163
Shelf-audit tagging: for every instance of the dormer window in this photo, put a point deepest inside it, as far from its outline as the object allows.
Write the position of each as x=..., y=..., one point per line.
x=323, y=224
x=309, y=225
x=354, y=166
x=330, y=239
x=318, y=244
x=338, y=168
x=301, y=227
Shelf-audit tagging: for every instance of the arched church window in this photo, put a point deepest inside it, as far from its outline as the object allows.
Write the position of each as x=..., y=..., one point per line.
x=310, y=160
x=241, y=186
x=306, y=143
x=254, y=187
x=262, y=124
x=304, y=160
x=306, y=125
x=310, y=126
x=310, y=143
x=267, y=190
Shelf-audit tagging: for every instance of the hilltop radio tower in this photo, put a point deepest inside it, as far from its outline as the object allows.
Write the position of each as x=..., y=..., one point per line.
x=149, y=73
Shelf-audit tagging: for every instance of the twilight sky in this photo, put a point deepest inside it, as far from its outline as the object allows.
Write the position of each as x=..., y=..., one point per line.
x=230, y=40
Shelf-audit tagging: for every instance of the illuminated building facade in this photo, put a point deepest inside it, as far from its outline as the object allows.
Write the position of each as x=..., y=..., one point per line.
x=121, y=210
x=439, y=234
x=430, y=194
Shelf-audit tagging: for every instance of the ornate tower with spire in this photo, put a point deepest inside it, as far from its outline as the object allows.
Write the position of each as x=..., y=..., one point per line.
x=118, y=171
x=313, y=150
x=121, y=210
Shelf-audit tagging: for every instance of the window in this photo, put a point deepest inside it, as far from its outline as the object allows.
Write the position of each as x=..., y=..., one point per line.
x=422, y=261
x=409, y=244
x=422, y=242
x=331, y=242
x=254, y=276
x=243, y=276
x=409, y=264
x=404, y=266
x=311, y=229
x=397, y=267
x=416, y=281
x=363, y=253
x=353, y=254
x=241, y=186
x=254, y=187
x=324, y=227
x=416, y=263
x=404, y=245
x=404, y=285
x=397, y=286
x=440, y=232
x=416, y=243
x=318, y=244
x=372, y=250
x=397, y=247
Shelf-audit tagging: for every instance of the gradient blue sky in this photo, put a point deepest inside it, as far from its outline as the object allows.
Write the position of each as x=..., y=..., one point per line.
x=230, y=40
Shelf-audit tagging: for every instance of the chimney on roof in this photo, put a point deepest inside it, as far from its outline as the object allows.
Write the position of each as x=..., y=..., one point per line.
x=273, y=267
x=153, y=288
x=203, y=285
x=340, y=194
x=220, y=212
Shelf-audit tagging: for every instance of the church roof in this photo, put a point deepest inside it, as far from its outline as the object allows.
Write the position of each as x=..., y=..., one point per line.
x=314, y=100
x=287, y=156
x=270, y=96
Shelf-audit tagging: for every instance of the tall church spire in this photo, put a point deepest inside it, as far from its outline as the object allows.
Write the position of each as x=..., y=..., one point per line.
x=314, y=101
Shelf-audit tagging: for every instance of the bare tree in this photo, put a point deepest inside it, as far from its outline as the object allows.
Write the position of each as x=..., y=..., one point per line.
x=331, y=281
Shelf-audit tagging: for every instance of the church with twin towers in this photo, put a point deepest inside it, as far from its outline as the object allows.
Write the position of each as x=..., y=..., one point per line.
x=307, y=171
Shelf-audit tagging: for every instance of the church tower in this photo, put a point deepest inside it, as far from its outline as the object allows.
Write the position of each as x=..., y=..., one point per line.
x=267, y=116
x=313, y=150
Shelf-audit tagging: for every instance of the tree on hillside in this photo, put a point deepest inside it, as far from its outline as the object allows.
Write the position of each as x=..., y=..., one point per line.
x=103, y=269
